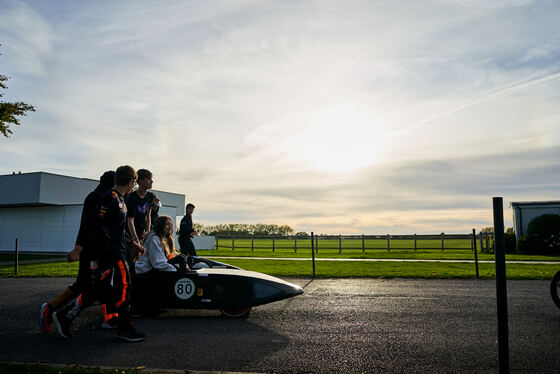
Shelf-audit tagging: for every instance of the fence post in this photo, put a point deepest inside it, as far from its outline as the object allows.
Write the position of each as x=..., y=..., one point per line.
x=313, y=254
x=317, y=244
x=339, y=243
x=415, y=243
x=232, y=243
x=295, y=244
x=481, y=243
x=473, y=246
x=273, y=244
x=16, y=262
x=363, y=244
x=442, y=242
x=217, y=244
x=388, y=242
x=252, y=243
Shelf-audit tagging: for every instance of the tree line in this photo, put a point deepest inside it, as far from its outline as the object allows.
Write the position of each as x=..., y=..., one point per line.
x=242, y=229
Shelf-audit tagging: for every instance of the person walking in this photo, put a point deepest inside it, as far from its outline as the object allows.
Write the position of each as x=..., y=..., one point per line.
x=186, y=233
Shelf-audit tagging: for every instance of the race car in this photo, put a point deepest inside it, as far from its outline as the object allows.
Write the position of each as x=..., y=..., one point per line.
x=209, y=285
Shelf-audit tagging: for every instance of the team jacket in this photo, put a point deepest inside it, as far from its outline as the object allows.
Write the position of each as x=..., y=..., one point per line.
x=110, y=229
x=87, y=222
x=185, y=228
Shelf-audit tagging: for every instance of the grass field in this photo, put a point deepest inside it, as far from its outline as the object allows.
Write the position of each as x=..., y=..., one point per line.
x=331, y=269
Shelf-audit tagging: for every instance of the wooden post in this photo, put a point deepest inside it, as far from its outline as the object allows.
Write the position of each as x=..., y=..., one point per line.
x=442, y=242
x=363, y=244
x=295, y=244
x=339, y=243
x=232, y=243
x=252, y=243
x=388, y=242
x=273, y=244
x=415, y=243
x=217, y=244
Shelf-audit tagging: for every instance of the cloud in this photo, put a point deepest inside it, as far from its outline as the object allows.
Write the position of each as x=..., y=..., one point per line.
x=362, y=116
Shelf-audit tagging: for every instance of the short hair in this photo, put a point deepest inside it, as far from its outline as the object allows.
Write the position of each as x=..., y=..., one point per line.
x=125, y=174
x=189, y=205
x=144, y=174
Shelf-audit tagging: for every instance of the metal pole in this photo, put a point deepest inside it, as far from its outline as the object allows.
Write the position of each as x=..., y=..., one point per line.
x=415, y=246
x=317, y=244
x=442, y=242
x=339, y=243
x=481, y=243
x=232, y=243
x=363, y=244
x=252, y=243
x=388, y=242
x=475, y=254
x=295, y=244
x=217, y=244
x=273, y=244
x=501, y=286
x=16, y=262
x=313, y=254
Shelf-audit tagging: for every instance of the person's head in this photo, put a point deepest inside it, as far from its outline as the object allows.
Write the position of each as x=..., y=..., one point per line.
x=189, y=208
x=145, y=179
x=163, y=228
x=125, y=177
x=107, y=180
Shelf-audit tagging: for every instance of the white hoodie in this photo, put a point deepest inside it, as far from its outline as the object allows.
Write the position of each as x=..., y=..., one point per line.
x=154, y=258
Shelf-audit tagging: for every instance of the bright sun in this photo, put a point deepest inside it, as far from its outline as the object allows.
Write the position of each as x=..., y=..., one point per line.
x=339, y=140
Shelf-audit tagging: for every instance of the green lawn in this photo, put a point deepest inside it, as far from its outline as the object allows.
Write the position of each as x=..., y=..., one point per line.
x=331, y=269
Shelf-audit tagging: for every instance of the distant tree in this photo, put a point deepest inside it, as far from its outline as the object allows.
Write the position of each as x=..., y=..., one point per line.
x=487, y=230
x=9, y=111
x=302, y=234
x=200, y=229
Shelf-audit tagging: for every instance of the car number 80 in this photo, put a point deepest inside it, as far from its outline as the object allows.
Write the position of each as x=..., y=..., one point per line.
x=184, y=288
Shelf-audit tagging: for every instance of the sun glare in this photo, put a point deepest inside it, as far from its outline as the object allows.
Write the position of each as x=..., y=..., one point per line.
x=339, y=140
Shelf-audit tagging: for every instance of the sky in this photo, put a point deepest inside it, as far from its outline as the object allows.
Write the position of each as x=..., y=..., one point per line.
x=337, y=117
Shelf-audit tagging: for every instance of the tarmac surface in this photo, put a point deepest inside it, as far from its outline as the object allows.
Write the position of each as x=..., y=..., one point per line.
x=337, y=326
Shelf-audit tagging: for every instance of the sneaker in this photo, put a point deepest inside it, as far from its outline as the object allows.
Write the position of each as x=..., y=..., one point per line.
x=44, y=323
x=110, y=324
x=130, y=335
x=63, y=324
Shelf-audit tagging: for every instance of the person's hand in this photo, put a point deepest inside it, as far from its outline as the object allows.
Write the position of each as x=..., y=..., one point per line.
x=74, y=255
x=138, y=248
x=143, y=235
x=193, y=233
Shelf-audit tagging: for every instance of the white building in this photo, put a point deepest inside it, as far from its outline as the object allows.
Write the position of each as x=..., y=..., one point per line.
x=526, y=211
x=43, y=210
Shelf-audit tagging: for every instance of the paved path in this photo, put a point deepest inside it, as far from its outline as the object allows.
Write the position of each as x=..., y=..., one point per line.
x=337, y=326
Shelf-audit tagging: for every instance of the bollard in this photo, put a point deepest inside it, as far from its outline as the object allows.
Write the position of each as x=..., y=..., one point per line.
x=501, y=287
x=313, y=254
x=475, y=254
x=16, y=261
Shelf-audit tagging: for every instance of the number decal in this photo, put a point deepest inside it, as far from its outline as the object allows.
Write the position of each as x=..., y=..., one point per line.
x=184, y=288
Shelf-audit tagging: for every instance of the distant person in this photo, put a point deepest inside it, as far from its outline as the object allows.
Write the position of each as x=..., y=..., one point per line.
x=82, y=252
x=109, y=255
x=186, y=233
x=139, y=205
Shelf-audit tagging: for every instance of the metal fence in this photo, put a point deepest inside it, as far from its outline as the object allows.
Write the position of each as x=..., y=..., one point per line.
x=357, y=242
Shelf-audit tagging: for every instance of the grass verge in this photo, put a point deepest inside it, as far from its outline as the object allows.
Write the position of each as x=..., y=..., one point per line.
x=333, y=269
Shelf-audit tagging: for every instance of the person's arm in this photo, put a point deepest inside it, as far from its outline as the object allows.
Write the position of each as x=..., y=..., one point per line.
x=148, y=223
x=86, y=230
x=132, y=229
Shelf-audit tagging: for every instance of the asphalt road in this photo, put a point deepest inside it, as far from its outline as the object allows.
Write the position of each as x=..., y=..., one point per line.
x=337, y=326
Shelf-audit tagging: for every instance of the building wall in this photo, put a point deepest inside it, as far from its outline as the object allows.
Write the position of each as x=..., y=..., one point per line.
x=523, y=214
x=40, y=229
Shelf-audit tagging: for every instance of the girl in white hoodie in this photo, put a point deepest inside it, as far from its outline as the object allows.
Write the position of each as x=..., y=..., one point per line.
x=160, y=249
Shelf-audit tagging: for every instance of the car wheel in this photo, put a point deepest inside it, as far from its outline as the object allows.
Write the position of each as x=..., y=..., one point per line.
x=555, y=289
x=236, y=312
